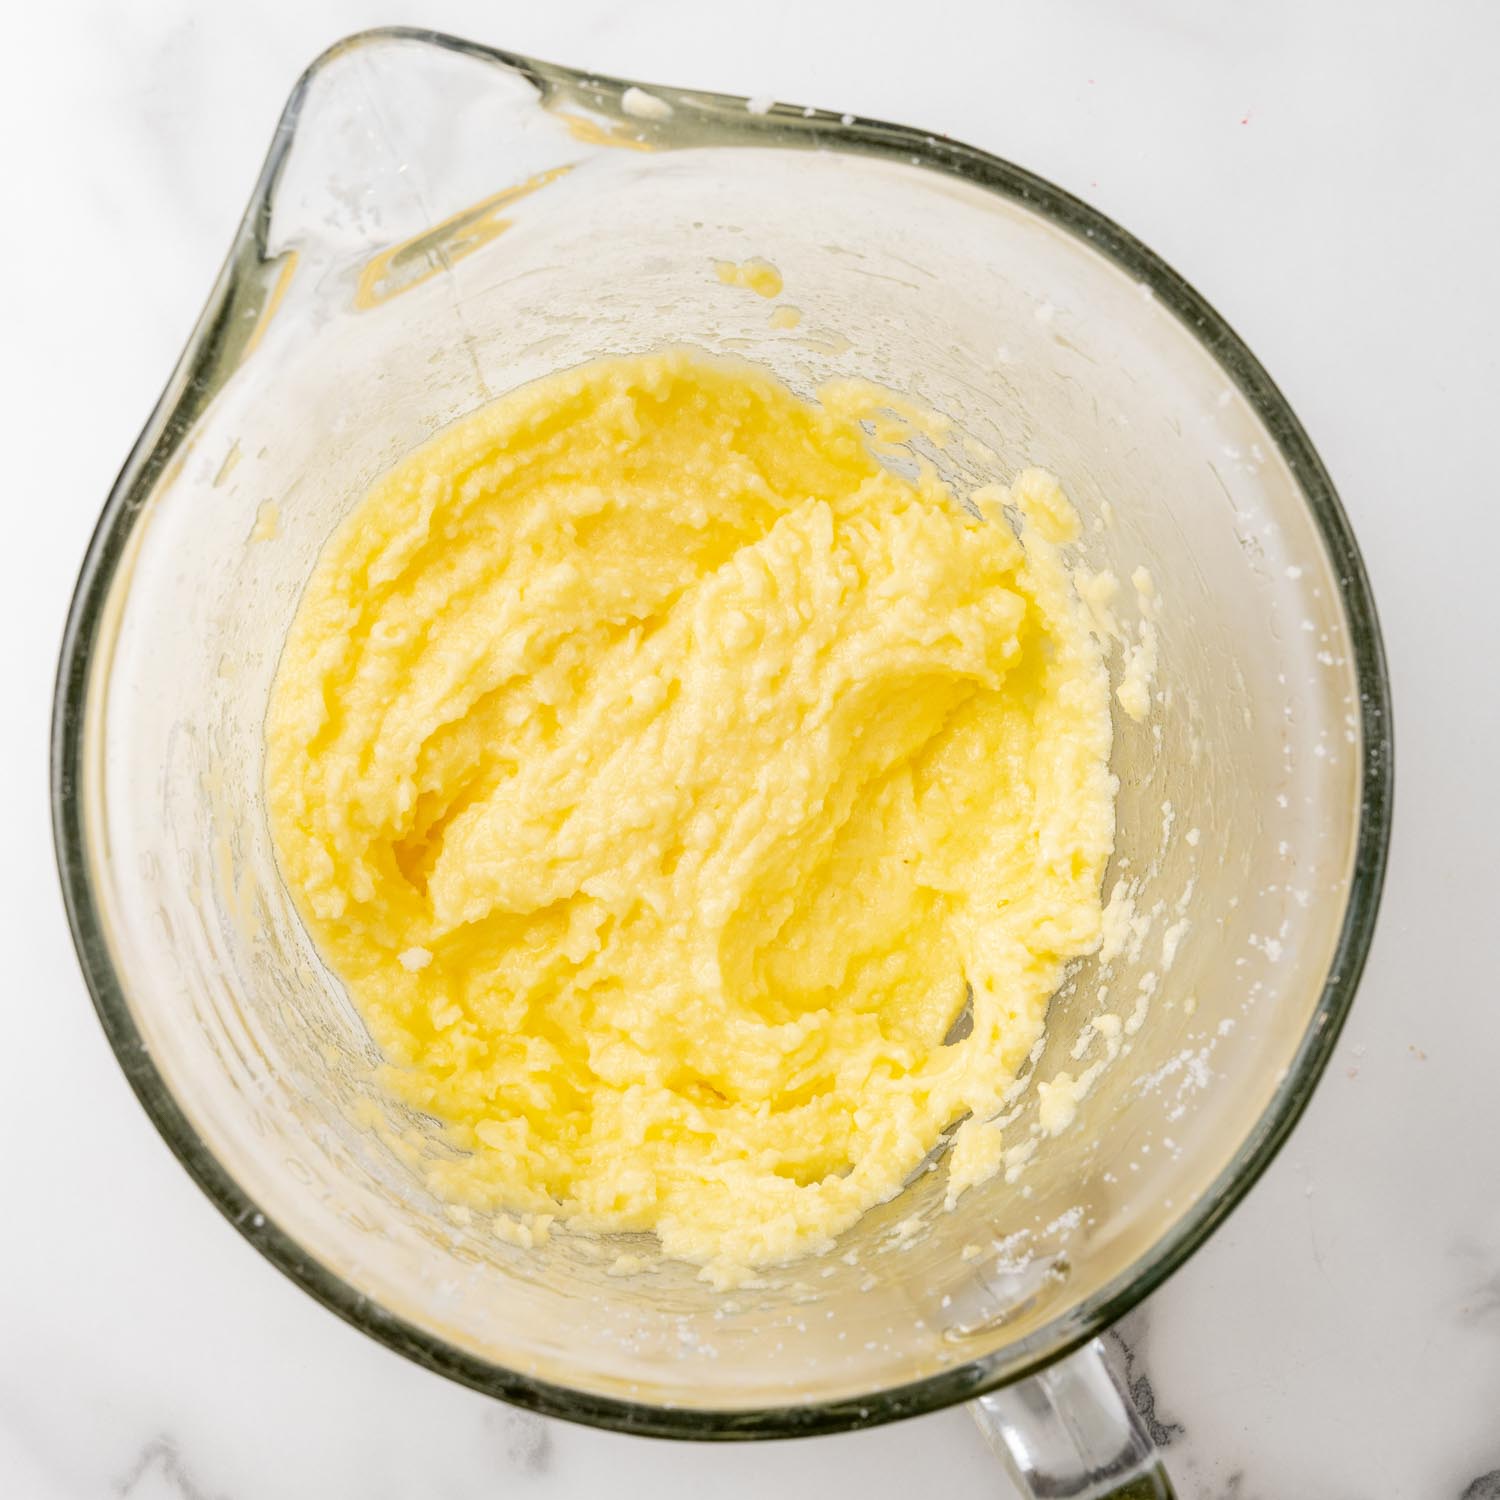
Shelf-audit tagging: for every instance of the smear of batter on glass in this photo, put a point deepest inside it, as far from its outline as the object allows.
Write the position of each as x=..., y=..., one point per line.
x=755, y=275
x=660, y=769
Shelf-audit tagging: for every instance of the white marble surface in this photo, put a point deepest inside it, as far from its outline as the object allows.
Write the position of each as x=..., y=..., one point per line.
x=1325, y=174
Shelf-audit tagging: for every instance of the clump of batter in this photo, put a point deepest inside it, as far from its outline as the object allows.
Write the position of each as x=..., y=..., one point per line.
x=659, y=770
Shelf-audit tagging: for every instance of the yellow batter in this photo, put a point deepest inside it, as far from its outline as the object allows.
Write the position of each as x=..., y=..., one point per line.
x=657, y=767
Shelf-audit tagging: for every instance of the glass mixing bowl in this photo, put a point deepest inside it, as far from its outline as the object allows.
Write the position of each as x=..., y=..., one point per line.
x=436, y=223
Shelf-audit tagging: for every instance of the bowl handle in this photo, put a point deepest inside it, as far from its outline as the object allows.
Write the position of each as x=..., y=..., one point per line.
x=1071, y=1433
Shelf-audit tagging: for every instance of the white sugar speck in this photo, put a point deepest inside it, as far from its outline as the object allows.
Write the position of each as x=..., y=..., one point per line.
x=644, y=106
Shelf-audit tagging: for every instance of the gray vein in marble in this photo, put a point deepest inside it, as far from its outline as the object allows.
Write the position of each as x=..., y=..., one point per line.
x=160, y=1470
x=1129, y=1339
x=1238, y=1485
x=1485, y=1487
x=1484, y=1301
x=526, y=1436
x=1234, y=1488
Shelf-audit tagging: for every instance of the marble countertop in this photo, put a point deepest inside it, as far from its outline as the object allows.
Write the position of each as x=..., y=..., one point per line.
x=1325, y=174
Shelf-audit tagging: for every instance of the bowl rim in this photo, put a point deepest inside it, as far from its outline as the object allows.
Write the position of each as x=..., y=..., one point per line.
x=179, y=406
